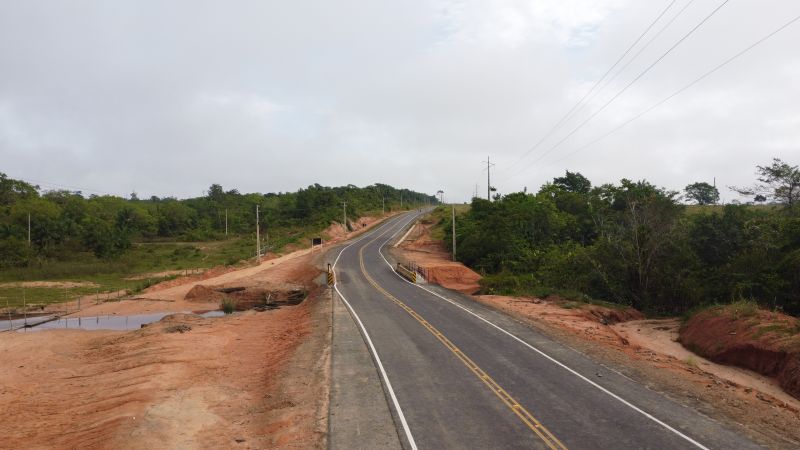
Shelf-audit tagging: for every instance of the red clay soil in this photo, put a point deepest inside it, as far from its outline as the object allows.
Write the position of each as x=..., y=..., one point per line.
x=744, y=336
x=201, y=293
x=185, y=382
x=435, y=262
x=583, y=319
x=251, y=380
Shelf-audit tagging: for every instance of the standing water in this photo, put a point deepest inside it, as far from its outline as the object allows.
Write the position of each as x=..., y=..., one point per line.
x=133, y=322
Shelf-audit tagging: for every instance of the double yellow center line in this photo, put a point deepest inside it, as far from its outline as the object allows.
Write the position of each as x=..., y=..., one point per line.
x=527, y=418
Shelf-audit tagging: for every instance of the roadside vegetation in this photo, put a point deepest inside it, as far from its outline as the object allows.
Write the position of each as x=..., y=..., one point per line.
x=110, y=243
x=639, y=245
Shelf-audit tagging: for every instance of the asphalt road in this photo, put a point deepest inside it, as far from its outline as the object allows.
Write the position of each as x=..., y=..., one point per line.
x=460, y=375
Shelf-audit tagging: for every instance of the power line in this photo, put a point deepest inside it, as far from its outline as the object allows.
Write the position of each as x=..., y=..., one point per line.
x=645, y=46
x=568, y=115
x=684, y=88
x=631, y=83
x=636, y=55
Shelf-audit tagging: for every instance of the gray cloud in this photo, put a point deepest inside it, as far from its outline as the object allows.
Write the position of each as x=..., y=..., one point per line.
x=166, y=98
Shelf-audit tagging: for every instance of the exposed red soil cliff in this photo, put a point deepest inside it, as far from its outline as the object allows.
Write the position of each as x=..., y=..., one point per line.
x=744, y=336
x=434, y=261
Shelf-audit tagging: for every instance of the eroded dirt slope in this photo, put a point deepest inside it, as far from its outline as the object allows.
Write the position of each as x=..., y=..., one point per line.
x=742, y=335
x=250, y=380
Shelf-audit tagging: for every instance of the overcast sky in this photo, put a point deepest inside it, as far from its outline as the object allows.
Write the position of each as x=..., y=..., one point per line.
x=167, y=97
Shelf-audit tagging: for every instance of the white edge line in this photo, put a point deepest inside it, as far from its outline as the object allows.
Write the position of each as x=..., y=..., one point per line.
x=372, y=347
x=555, y=361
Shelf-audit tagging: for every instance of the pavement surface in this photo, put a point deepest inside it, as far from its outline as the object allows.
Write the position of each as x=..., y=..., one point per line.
x=456, y=374
x=359, y=415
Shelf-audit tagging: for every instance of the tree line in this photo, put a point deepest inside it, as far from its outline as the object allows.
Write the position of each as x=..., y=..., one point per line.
x=636, y=244
x=61, y=222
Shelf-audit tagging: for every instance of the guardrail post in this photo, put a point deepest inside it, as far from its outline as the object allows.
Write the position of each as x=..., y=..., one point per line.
x=331, y=276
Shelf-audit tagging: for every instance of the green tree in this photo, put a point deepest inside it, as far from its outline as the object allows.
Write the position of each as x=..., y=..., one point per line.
x=779, y=181
x=573, y=182
x=702, y=193
x=13, y=190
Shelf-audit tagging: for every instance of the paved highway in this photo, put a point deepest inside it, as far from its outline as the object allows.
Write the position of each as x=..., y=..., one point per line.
x=459, y=375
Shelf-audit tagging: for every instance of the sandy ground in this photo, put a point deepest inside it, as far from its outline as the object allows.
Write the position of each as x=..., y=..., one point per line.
x=249, y=380
x=166, y=273
x=216, y=385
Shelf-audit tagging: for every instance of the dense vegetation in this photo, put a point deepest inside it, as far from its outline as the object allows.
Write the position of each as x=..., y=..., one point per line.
x=63, y=223
x=636, y=244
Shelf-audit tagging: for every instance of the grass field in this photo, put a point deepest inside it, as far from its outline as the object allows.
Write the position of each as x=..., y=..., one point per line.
x=128, y=272
x=133, y=271
x=443, y=214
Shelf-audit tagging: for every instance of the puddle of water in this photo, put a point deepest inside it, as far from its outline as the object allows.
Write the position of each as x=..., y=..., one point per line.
x=14, y=324
x=122, y=323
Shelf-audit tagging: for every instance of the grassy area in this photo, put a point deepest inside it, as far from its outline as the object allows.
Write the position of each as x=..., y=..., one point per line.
x=442, y=215
x=130, y=271
x=98, y=277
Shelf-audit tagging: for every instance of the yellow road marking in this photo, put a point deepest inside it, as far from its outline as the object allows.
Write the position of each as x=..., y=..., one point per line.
x=527, y=418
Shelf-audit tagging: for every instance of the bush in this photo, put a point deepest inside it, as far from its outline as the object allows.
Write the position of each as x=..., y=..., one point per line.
x=14, y=253
x=228, y=306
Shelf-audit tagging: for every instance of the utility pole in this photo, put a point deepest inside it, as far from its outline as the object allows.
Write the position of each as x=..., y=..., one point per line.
x=258, y=238
x=226, y=222
x=454, y=232
x=488, y=179
x=401, y=200
x=29, y=229
x=383, y=205
x=344, y=213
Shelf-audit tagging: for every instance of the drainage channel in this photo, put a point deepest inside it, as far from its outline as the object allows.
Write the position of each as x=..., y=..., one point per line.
x=110, y=322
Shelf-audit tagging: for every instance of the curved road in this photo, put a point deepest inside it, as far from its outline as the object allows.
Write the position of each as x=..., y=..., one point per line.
x=459, y=375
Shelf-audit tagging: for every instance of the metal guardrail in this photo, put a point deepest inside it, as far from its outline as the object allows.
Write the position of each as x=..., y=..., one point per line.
x=407, y=273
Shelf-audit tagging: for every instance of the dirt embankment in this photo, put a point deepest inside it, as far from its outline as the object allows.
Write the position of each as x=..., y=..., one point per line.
x=250, y=380
x=745, y=336
x=432, y=260
x=587, y=320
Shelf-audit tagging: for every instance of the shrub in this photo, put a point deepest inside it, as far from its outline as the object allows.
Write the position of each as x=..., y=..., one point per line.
x=228, y=306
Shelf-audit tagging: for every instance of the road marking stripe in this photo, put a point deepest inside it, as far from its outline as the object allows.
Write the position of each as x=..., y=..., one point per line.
x=553, y=360
x=399, y=410
x=527, y=418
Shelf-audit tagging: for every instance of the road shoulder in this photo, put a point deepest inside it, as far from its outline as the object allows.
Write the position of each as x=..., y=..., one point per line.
x=359, y=414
